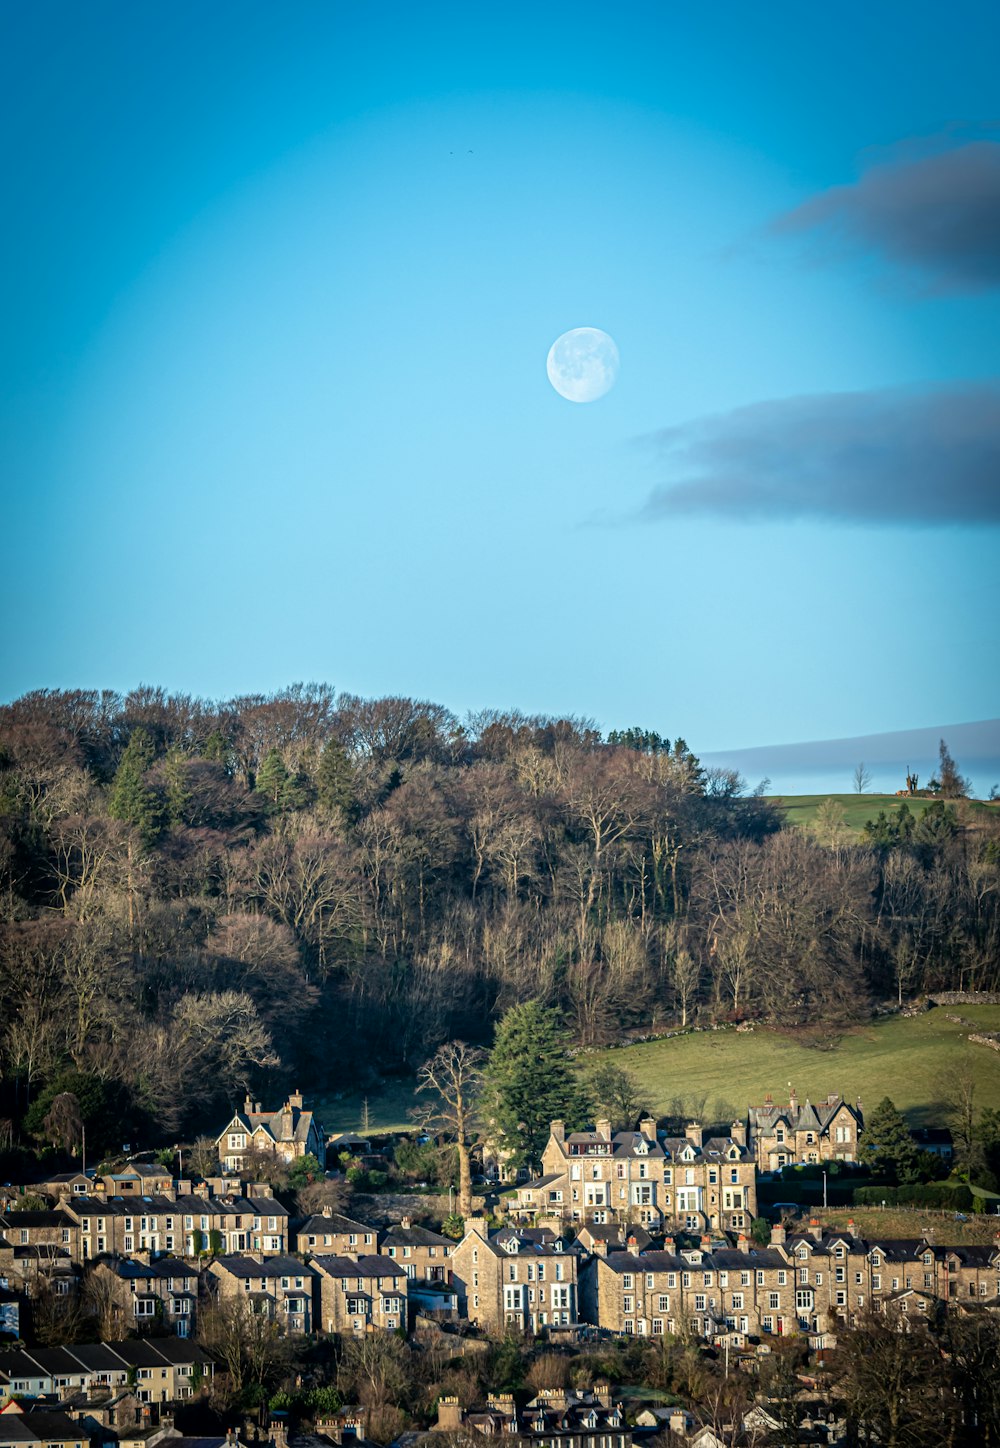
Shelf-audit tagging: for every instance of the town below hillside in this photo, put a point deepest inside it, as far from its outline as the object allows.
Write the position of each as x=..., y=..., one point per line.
x=605, y=1280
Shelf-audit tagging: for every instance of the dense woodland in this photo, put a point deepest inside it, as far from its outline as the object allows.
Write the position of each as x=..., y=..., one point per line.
x=200, y=897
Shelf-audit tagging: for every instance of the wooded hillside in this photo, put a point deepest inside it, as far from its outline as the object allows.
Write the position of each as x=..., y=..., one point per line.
x=202, y=897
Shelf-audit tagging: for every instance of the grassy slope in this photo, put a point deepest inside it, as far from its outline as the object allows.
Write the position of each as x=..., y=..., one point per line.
x=800, y=809
x=901, y=1057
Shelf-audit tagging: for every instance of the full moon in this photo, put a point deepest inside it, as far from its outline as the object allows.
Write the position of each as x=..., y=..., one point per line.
x=583, y=364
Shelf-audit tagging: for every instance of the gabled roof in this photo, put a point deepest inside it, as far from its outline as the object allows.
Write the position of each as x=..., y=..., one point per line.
x=54, y=1218
x=249, y=1267
x=290, y=1123
x=365, y=1266
x=401, y=1236
x=336, y=1224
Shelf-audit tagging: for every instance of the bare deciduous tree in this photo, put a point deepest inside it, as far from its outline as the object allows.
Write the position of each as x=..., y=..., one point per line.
x=454, y=1075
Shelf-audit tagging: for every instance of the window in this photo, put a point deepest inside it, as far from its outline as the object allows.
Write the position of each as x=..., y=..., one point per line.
x=803, y=1299
x=774, y=1301
x=663, y=1303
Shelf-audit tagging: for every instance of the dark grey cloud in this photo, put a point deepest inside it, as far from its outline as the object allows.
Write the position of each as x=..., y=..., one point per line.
x=918, y=458
x=935, y=214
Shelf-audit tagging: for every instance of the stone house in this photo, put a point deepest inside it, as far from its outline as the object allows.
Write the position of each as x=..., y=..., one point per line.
x=143, y=1295
x=357, y=1295
x=38, y=1249
x=803, y=1132
x=554, y=1418
x=643, y=1176
x=281, y=1288
x=187, y=1224
x=424, y=1255
x=287, y=1133
x=336, y=1235
x=512, y=1280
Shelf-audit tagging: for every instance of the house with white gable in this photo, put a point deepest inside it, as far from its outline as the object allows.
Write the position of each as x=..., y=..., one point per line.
x=287, y=1133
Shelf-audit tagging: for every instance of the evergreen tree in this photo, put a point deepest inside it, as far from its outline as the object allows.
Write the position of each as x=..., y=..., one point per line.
x=953, y=785
x=178, y=800
x=336, y=783
x=218, y=750
x=529, y=1082
x=133, y=799
x=886, y=1146
x=284, y=791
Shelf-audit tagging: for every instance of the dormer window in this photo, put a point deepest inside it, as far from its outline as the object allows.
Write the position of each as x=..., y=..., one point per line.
x=512, y=1244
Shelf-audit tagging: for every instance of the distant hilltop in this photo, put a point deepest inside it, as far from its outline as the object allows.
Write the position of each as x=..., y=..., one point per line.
x=825, y=766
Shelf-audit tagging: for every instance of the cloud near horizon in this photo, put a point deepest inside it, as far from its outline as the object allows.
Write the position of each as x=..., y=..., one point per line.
x=918, y=458
x=935, y=214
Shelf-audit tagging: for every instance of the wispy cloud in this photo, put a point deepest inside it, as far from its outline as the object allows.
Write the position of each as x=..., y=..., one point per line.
x=935, y=214
x=913, y=458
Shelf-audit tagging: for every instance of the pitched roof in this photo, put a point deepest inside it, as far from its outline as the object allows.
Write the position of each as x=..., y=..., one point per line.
x=249, y=1267
x=366, y=1266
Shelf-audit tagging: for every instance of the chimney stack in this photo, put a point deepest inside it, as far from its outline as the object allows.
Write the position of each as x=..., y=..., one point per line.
x=648, y=1128
x=558, y=1129
x=738, y=1131
x=694, y=1133
x=778, y=1235
x=406, y=1223
x=603, y=1128
x=449, y=1415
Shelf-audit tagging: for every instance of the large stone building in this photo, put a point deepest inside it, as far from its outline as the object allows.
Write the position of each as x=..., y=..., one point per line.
x=811, y=1282
x=357, y=1294
x=803, y=1132
x=287, y=1133
x=513, y=1279
x=643, y=1176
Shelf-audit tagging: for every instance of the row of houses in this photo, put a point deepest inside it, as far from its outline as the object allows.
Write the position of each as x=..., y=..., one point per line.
x=811, y=1282
x=155, y=1371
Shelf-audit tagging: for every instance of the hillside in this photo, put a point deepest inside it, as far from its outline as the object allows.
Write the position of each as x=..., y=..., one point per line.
x=719, y=1072
x=318, y=889
x=801, y=809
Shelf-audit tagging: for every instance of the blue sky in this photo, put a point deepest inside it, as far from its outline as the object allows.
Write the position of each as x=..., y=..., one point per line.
x=279, y=284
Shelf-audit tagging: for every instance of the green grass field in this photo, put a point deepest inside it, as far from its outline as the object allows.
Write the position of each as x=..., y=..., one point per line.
x=800, y=809
x=905, y=1058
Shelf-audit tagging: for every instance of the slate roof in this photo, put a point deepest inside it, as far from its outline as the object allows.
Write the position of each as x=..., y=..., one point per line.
x=289, y=1123
x=366, y=1266
x=401, y=1236
x=249, y=1267
x=797, y=1116
x=335, y=1224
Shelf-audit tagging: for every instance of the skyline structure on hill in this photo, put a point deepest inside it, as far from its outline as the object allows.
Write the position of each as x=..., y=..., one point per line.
x=279, y=290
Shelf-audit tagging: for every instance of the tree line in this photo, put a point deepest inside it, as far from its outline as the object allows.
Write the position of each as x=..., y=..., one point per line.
x=199, y=898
